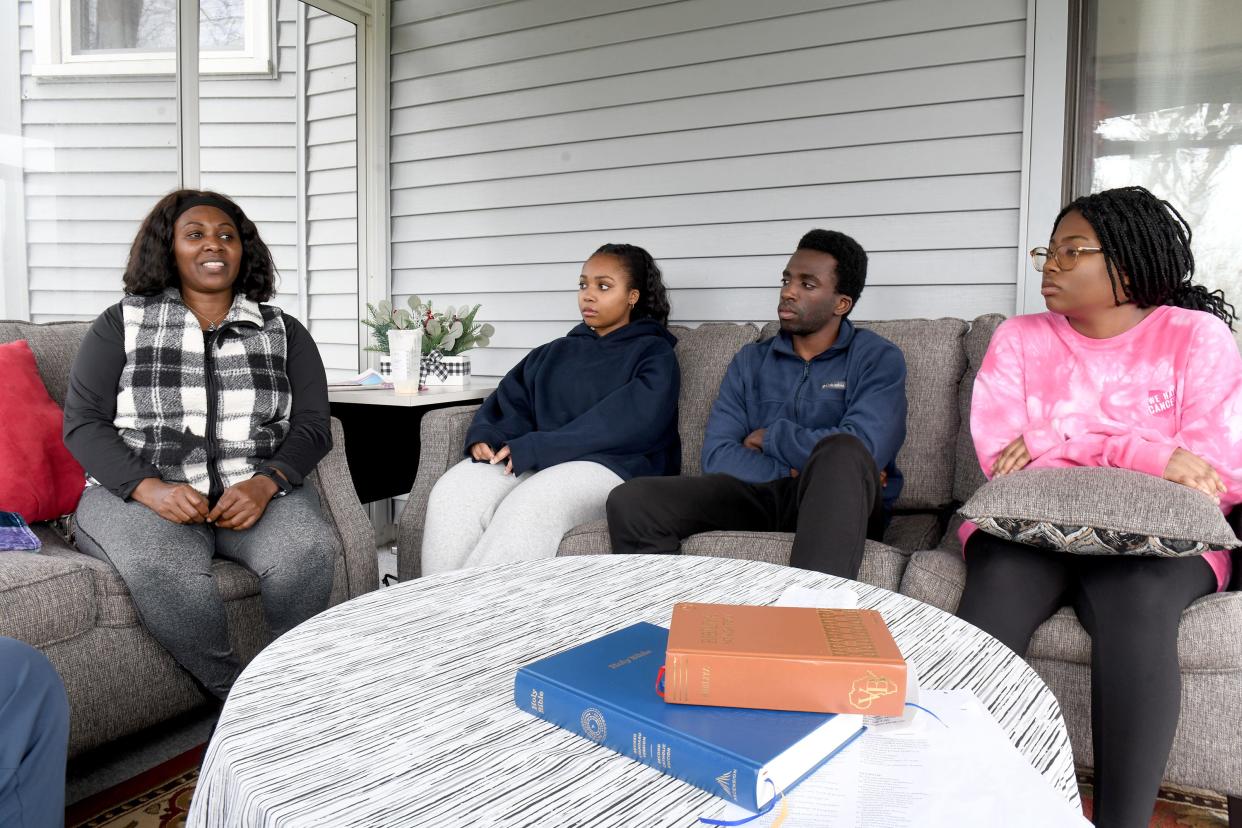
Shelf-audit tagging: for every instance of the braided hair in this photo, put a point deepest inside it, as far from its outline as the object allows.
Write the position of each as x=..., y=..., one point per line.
x=1147, y=239
x=645, y=277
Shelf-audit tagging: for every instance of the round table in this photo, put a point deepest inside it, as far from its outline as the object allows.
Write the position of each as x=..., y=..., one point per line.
x=396, y=708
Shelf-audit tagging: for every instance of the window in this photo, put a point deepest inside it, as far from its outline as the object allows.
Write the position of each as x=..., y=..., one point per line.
x=76, y=38
x=1160, y=105
x=89, y=153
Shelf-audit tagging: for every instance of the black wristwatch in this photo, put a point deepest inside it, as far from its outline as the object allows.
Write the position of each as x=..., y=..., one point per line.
x=283, y=486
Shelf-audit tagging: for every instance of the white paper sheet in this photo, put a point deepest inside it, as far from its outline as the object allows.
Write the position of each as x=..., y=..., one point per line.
x=960, y=774
x=827, y=598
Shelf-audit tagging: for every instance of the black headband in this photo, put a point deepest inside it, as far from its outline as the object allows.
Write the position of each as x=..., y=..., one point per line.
x=206, y=200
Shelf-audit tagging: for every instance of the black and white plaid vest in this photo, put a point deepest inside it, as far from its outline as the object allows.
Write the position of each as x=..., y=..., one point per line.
x=163, y=410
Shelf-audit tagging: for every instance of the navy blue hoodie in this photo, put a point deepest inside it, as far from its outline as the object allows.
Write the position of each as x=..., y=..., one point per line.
x=858, y=387
x=611, y=400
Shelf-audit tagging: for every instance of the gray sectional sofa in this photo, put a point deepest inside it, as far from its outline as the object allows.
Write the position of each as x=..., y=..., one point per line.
x=920, y=556
x=76, y=609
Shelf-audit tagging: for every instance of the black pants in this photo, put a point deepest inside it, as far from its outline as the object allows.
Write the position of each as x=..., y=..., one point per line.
x=1131, y=607
x=833, y=505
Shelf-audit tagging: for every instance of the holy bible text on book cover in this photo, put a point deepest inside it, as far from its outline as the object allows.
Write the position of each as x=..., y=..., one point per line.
x=784, y=658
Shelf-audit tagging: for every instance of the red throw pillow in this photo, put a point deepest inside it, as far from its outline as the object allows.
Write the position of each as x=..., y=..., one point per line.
x=39, y=479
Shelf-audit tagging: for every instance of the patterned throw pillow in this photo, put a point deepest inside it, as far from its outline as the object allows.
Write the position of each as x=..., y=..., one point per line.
x=1098, y=511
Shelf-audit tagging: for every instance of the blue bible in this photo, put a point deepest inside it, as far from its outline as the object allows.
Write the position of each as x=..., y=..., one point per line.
x=605, y=691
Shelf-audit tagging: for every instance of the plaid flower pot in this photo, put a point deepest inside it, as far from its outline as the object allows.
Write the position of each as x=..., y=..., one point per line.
x=437, y=369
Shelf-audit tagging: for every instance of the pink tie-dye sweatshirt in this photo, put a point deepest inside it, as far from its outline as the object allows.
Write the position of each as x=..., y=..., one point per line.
x=1173, y=380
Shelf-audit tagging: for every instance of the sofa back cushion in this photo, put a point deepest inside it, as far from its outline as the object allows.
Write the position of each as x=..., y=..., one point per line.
x=935, y=361
x=703, y=354
x=55, y=344
x=968, y=476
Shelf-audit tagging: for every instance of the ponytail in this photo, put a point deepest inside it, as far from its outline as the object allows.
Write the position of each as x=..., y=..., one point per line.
x=645, y=277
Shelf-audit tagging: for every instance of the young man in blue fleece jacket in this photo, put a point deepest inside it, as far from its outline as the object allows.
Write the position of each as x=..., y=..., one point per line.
x=803, y=435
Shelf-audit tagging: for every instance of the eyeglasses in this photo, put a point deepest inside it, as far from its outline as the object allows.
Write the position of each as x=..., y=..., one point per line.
x=1065, y=256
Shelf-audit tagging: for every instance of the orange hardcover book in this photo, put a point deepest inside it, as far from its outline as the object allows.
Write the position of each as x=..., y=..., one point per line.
x=784, y=658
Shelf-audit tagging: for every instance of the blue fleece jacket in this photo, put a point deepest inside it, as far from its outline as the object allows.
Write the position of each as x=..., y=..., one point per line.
x=611, y=400
x=858, y=387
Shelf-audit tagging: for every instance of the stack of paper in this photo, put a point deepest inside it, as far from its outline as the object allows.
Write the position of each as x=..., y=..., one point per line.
x=964, y=772
x=957, y=772
x=369, y=378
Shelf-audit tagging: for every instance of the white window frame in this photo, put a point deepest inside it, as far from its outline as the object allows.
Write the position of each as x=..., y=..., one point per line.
x=372, y=19
x=1044, y=137
x=54, y=57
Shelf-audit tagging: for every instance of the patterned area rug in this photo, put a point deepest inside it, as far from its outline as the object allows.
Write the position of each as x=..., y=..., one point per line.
x=160, y=798
x=1175, y=807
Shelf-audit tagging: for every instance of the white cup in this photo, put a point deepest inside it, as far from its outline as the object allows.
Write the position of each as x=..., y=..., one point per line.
x=405, y=350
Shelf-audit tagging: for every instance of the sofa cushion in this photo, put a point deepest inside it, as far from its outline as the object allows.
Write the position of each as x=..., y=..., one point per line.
x=967, y=475
x=936, y=577
x=113, y=605
x=55, y=345
x=935, y=360
x=1207, y=639
x=882, y=565
x=39, y=479
x=1099, y=511
x=703, y=354
x=44, y=598
x=920, y=530
x=586, y=539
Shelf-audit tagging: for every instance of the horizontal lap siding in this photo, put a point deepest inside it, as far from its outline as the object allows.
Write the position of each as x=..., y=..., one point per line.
x=236, y=159
x=103, y=150
x=332, y=182
x=712, y=132
x=98, y=154
x=109, y=153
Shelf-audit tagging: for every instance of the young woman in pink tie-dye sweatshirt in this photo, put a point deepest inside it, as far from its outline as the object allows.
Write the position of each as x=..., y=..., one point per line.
x=1133, y=367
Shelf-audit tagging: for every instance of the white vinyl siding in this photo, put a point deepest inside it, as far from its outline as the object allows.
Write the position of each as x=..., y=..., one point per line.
x=332, y=190
x=97, y=156
x=714, y=133
x=99, y=152
x=231, y=112
x=112, y=154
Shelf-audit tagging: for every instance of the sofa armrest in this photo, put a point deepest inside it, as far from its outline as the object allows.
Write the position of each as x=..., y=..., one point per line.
x=343, y=510
x=442, y=435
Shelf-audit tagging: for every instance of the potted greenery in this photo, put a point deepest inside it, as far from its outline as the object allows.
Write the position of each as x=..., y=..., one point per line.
x=384, y=318
x=446, y=336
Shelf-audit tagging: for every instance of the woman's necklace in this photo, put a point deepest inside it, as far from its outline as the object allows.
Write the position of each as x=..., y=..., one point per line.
x=211, y=326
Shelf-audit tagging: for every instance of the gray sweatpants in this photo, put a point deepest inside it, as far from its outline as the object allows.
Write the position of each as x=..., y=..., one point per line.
x=479, y=516
x=167, y=568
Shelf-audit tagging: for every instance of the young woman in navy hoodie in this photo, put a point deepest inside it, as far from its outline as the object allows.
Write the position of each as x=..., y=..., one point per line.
x=574, y=419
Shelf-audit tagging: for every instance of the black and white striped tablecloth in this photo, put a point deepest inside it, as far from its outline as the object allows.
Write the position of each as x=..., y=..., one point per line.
x=396, y=708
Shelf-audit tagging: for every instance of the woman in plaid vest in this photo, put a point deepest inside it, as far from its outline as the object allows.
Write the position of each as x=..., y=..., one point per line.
x=197, y=411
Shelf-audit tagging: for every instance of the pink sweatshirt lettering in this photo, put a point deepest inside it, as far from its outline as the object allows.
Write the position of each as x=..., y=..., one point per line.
x=1172, y=381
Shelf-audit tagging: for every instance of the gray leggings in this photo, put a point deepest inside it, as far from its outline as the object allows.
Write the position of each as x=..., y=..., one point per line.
x=167, y=568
